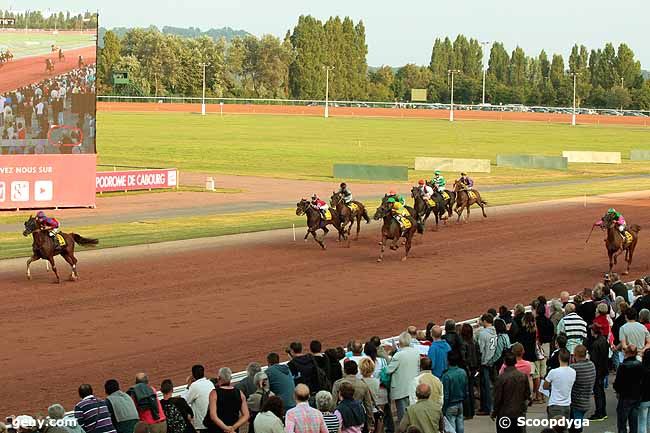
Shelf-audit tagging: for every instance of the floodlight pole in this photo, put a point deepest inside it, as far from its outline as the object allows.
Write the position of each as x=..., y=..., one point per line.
x=484, y=44
x=451, y=108
x=573, y=116
x=327, y=89
x=203, y=97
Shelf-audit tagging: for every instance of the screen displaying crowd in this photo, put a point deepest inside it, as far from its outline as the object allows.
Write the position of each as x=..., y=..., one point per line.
x=54, y=116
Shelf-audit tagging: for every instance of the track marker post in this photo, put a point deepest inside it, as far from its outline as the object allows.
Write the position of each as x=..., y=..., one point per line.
x=294, y=231
x=585, y=201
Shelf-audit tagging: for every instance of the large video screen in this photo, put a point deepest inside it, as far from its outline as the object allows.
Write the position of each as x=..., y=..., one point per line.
x=47, y=90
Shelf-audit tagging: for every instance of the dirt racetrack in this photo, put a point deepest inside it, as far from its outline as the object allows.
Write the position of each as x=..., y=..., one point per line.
x=161, y=309
x=29, y=70
x=301, y=110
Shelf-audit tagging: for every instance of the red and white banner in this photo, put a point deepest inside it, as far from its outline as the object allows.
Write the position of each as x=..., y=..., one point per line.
x=133, y=180
x=47, y=181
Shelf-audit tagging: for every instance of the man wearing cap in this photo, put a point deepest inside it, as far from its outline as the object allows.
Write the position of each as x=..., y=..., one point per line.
x=346, y=193
x=617, y=217
x=319, y=205
x=439, y=183
x=467, y=181
x=425, y=191
x=393, y=194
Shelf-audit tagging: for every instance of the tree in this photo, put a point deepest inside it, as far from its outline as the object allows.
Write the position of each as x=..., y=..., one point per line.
x=579, y=64
x=110, y=55
x=618, y=97
x=517, y=70
x=306, y=75
x=499, y=63
x=557, y=74
x=441, y=58
x=627, y=68
x=380, y=86
x=409, y=77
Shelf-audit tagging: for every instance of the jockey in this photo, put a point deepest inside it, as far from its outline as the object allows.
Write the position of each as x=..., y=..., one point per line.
x=617, y=217
x=393, y=194
x=466, y=180
x=425, y=190
x=439, y=182
x=398, y=208
x=346, y=193
x=49, y=224
x=319, y=204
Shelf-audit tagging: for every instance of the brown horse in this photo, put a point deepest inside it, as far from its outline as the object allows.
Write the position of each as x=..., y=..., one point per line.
x=315, y=221
x=44, y=247
x=61, y=56
x=347, y=215
x=424, y=210
x=392, y=230
x=616, y=245
x=49, y=66
x=464, y=200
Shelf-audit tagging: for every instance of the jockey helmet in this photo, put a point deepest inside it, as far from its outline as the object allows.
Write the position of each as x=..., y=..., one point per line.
x=421, y=182
x=611, y=210
x=463, y=174
x=314, y=197
x=392, y=192
x=40, y=214
x=391, y=200
x=437, y=172
x=343, y=185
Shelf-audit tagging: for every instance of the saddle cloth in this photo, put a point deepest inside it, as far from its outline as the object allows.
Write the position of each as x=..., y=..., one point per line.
x=60, y=240
x=471, y=194
x=353, y=207
x=445, y=195
x=431, y=202
x=629, y=237
x=328, y=214
x=404, y=222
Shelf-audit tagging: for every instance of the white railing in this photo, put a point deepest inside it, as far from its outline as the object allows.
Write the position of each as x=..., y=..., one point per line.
x=375, y=104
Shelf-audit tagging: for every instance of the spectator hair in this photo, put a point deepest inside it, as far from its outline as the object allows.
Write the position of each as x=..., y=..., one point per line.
x=273, y=358
x=425, y=363
x=296, y=347
x=225, y=374
x=259, y=378
x=561, y=341
x=350, y=367
x=166, y=386
x=370, y=350
x=423, y=391
x=569, y=308
x=564, y=356
x=644, y=317
x=580, y=351
x=275, y=405
x=315, y=346
x=366, y=367
x=198, y=371
x=405, y=339
x=85, y=390
x=253, y=368
x=517, y=349
x=56, y=411
x=454, y=358
x=500, y=326
x=347, y=390
x=487, y=318
x=110, y=386
x=631, y=314
x=509, y=359
x=302, y=392
x=492, y=312
x=324, y=401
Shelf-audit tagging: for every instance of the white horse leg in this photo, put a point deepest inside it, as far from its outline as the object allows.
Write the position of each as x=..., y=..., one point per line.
x=29, y=262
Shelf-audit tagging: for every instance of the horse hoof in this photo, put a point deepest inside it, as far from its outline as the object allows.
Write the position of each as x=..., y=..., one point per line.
x=404, y=258
x=29, y=277
x=625, y=273
x=379, y=260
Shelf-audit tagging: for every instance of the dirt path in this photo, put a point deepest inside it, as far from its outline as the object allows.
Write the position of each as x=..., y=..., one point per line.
x=31, y=70
x=162, y=308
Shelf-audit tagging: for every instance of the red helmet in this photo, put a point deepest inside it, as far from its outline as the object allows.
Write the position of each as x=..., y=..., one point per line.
x=421, y=182
x=392, y=192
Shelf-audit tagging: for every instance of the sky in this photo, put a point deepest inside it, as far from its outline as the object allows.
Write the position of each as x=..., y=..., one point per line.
x=398, y=33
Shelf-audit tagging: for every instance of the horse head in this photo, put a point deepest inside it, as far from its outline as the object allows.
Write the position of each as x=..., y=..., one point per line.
x=336, y=199
x=31, y=226
x=457, y=186
x=302, y=206
x=381, y=211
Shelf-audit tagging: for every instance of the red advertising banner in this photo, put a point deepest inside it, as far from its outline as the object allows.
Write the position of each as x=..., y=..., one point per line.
x=133, y=180
x=47, y=181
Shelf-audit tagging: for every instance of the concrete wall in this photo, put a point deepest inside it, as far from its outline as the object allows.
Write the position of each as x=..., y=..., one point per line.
x=453, y=164
x=593, y=157
x=370, y=172
x=533, y=161
x=639, y=155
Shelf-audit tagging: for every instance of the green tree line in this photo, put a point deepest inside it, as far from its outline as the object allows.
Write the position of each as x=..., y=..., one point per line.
x=294, y=67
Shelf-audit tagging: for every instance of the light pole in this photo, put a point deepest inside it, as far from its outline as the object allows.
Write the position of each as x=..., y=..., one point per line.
x=484, y=44
x=327, y=89
x=203, y=97
x=573, y=116
x=451, y=108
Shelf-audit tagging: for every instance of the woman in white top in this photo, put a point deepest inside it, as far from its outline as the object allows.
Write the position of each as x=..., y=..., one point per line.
x=269, y=420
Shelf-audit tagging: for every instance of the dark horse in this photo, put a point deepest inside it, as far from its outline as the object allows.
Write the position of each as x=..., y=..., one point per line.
x=449, y=202
x=615, y=243
x=49, y=66
x=392, y=230
x=347, y=215
x=316, y=222
x=423, y=209
x=464, y=200
x=44, y=247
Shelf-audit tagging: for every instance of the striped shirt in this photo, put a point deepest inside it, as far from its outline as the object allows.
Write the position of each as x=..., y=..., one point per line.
x=93, y=416
x=575, y=329
x=331, y=422
x=584, y=385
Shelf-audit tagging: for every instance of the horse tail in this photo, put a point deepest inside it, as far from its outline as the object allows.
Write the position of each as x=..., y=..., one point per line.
x=84, y=241
x=635, y=228
x=365, y=215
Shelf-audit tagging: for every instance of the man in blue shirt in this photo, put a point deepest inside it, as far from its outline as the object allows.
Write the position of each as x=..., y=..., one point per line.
x=438, y=352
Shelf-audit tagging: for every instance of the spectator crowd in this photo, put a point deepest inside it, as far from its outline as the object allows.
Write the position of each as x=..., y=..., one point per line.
x=561, y=354
x=31, y=111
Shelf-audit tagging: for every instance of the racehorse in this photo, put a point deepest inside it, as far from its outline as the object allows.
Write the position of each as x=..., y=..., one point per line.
x=449, y=201
x=347, y=215
x=615, y=243
x=392, y=230
x=464, y=200
x=44, y=247
x=316, y=222
x=80, y=62
x=61, y=55
x=49, y=66
x=423, y=210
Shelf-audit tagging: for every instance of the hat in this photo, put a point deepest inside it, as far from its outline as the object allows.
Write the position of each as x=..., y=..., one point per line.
x=421, y=182
x=463, y=174
x=392, y=192
x=436, y=172
x=391, y=200
x=611, y=210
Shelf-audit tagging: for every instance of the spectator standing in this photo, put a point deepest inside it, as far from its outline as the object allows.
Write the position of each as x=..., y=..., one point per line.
x=198, y=396
x=502, y=345
x=644, y=407
x=557, y=312
x=573, y=326
x=302, y=366
x=321, y=359
x=528, y=338
x=516, y=321
x=367, y=368
x=325, y=404
x=360, y=389
x=644, y=318
x=381, y=373
x=545, y=336
x=554, y=359
x=454, y=384
x=247, y=384
x=602, y=319
x=257, y=399
x=426, y=376
x=92, y=413
x=425, y=414
x=356, y=354
x=453, y=339
x=525, y=367
x=634, y=333
x=280, y=380
x=618, y=323
x=511, y=396
x=487, y=341
x=227, y=409
x=350, y=411
x=269, y=420
x=584, y=384
x=403, y=368
x=599, y=355
x=628, y=390
x=619, y=288
x=560, y=381
x=124, y=414
x=146, y=402
x=303, y=418
x=472, y=365
x=643, y=301
x=55, y=412
x=178, y=413
x=438, y=352
x=505, y=314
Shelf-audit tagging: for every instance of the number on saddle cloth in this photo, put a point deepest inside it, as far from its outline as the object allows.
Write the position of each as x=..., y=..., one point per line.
x=444, y=195
x=628, y=237
x=353, y=207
